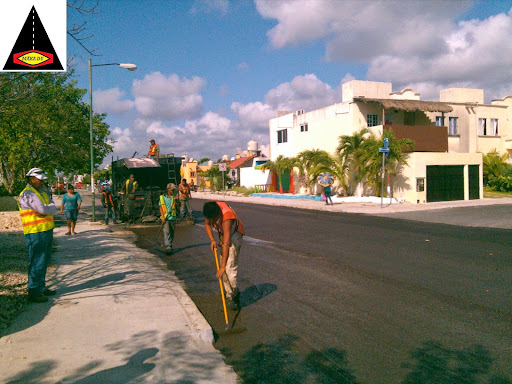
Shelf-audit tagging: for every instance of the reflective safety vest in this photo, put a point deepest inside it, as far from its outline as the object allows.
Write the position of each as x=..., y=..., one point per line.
x=135, y=186
x=153, y=149
x=173, y=206
x=229, y=214
x=32, y=221
x=108, y=199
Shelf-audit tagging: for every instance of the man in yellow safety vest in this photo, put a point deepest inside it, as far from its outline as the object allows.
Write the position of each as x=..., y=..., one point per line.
x=37, y=210
x=168, y=216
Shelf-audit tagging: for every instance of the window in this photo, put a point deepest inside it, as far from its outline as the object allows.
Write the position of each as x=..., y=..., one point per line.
x=282, y=136
x=482, y=127
x=494, y=127
x=192, y=174
x=420, y=184
x=452, y=128
x=304, y=127
x=371, y=120
x=439, y=121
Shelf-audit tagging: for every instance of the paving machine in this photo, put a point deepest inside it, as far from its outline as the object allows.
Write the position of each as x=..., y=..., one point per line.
x=152, y=176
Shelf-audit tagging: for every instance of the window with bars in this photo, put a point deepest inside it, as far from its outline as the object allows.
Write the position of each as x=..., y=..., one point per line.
x=452, y=127
x=371, y=120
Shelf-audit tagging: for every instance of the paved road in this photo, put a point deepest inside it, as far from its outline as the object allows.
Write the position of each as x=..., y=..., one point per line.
x=339, y=297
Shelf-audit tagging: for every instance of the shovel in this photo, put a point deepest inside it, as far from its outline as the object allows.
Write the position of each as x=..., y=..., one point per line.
x=154, y=240
x=227, y=329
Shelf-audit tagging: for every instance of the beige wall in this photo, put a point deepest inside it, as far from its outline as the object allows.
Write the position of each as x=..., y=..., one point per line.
x=371, y=89
x=418, y=162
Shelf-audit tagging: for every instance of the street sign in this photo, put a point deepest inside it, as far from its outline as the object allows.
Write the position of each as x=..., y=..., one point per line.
x=384, y=149
x=386, y=142
x=222, y=167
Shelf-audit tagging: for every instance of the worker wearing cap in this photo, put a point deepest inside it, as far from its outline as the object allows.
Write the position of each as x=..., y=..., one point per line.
x=154, y=150
x=168, y=215
x=37, y=210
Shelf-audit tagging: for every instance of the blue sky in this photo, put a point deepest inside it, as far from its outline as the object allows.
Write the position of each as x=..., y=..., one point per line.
x=211, y=73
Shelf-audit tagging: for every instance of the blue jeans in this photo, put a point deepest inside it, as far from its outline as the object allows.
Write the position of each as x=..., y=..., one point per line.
x=109, y=211
x=169, y=228
x=185, y=206
x=39, y=252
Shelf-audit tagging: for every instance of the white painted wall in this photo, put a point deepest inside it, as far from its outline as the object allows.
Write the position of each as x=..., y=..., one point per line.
x=249, y=177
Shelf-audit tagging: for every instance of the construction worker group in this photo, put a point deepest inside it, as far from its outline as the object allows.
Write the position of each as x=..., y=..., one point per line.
x=37, y=209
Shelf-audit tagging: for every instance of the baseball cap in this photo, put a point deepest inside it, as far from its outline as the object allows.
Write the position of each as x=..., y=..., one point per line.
x=171, y=186
x=37, y=172
x=152, y=140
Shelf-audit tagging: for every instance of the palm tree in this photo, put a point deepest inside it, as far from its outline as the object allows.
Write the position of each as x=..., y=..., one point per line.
x=351, y=150
x=306, y=161
x=279, y=166
x=372, y=158
x=314, y=162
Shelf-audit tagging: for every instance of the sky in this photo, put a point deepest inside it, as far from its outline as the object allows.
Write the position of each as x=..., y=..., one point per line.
x=211, y=73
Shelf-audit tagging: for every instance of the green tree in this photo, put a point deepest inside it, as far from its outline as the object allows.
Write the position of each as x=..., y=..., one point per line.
x=372, y=158
x=279, y=167
x=44, y=123
x=215, y=177
x=312, y=163
x=495, y=165
x=203, y=160
x=352, y=155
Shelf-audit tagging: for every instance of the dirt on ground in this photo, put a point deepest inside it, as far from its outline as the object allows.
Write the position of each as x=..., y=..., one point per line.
x=13, y=268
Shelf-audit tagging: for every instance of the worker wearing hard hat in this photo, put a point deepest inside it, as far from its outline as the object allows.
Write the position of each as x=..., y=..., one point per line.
x=37, y=210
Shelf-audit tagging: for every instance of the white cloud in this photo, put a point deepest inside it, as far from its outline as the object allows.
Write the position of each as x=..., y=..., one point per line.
x=109, y=100
x=303, y=92
x=168, y=98
x=413, y=42
x=253, y=117
x=479, y=55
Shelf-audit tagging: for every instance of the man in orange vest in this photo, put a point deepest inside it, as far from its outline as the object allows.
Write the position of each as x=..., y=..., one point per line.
x=224, y=219
x=154, y=150
x=37, y=210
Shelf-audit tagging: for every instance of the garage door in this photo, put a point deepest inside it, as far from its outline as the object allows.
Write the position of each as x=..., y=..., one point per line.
x=445, y=183
x=474, y=182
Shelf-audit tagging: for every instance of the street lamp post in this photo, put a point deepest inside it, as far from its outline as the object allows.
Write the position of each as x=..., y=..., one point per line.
x=130, y=67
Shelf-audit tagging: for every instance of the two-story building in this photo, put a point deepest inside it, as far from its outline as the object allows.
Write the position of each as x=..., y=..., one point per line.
x=450, y=135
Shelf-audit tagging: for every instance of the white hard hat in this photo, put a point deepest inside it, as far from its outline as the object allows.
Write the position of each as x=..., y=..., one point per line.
x=38, y=173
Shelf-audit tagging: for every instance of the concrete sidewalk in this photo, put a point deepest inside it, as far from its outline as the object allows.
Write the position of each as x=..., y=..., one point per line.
x=119, y=317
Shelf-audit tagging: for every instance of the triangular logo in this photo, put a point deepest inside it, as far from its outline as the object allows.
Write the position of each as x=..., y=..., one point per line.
x=33, y=49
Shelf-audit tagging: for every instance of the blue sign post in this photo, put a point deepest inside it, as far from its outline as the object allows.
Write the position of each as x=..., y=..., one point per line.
x=385, y=153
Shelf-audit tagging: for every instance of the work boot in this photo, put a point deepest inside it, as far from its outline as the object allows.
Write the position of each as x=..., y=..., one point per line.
x=49, y=292
x=37, y=298
x=231, y=304
x=236, y=297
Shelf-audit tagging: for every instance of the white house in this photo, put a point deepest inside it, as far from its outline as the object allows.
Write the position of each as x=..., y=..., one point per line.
x=450, y=135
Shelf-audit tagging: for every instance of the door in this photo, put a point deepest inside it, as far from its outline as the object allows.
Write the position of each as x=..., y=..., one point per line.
x=445, y=183
x=474, y=182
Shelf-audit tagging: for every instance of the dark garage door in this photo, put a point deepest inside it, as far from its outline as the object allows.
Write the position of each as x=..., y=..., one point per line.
x=445, y=183
x=474, y=182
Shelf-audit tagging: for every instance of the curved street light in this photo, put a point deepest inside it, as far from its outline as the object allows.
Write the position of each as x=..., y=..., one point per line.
x=128, y=66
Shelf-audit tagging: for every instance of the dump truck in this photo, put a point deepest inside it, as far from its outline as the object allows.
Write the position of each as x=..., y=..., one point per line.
x=152, y=176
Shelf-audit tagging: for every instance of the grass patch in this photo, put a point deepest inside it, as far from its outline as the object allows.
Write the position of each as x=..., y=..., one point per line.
x=244, y=190
x=491, y=194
